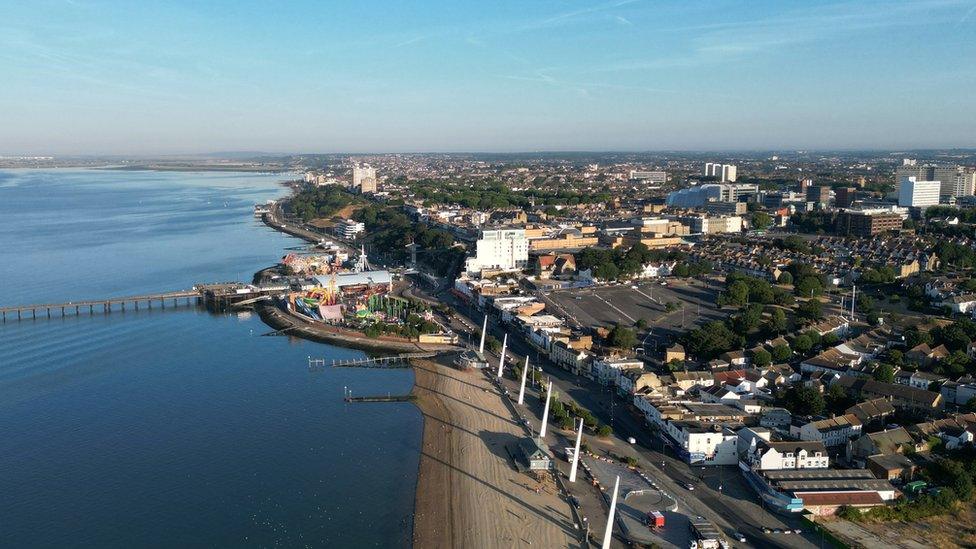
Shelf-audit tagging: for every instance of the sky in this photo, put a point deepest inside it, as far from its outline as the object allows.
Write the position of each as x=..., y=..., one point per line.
x=93, y=77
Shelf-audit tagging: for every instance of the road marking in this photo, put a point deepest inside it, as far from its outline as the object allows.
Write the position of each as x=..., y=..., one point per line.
x=647, y=296
x=612, y=306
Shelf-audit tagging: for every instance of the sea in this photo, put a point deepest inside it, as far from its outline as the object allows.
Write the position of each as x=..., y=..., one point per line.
x=178, y=427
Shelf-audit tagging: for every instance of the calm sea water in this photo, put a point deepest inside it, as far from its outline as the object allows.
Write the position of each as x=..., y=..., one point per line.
x=177, y=427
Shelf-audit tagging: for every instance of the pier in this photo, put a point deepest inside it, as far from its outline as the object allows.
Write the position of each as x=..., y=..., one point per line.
x=215, y=296
x=380, y=363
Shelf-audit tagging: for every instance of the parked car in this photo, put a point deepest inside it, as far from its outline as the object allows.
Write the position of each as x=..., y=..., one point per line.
x=689, y=486
x=738, y=536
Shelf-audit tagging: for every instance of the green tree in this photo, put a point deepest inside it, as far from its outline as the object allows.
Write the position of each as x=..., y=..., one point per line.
x=802, y=344
x=761, y=221
x=641, y=324
x=777, y=323
x=811, y=309
x=804, y=401
x=785, y=278
x=884, y=373
x=808, y=286
x=737, y=294
x=762, y=358
x=781, y=353
x=621, y=337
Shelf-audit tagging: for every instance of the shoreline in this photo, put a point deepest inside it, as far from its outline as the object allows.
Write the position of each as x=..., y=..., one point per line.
x=469, y=494
x=321, y=333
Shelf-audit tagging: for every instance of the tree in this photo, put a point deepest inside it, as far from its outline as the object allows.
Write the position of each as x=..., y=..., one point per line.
x=802, y=344
x=604, y=431
x=804, y=401
x=681, y=270
x=761, y=221
x=777, y=323
x=737, y=294
x=811, y=309
x=808, y=286
x=884, y=373
x=781, y=353
x=711, y=339
x=622, y=338
x=762, y=358
x=785, y=278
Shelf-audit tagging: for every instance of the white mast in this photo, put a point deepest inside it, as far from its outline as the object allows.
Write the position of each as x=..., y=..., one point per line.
x=853, y=295
x=525, y=374
x=484, y=330
x=608, y=534
x=545, y=412
x=501, y=359
x=579, y=438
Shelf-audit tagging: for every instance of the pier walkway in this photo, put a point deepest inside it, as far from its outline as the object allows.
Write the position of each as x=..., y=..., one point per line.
x=217, y=296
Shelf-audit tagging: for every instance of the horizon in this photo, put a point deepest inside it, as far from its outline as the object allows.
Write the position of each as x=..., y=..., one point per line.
x=88, y=78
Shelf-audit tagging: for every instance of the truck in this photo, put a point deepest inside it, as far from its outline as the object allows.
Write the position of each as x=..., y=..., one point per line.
x=655, y=519
x=704, y=534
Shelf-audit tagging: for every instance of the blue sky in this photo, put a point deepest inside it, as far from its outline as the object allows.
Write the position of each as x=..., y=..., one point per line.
x=84, y=76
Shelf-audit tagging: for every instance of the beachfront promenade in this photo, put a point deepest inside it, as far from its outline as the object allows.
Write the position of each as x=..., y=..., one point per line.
x=468, y=492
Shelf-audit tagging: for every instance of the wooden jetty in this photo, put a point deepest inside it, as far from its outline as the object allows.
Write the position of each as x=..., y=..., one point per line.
x=383, y=362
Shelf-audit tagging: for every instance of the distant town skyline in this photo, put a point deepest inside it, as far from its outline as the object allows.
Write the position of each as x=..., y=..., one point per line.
x=89, y=77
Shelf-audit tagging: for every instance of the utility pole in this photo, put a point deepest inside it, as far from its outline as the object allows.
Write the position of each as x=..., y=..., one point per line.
x=545, y=412
x=484, y=330
x=608, y=533
x=579, y=439
x=501, y=359
x=525, y=374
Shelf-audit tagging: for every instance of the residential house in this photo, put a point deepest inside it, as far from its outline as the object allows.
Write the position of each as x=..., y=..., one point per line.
x=873, y=411
x=835, y=431
x=891, y=441
x=901, y=396
x=775, y=456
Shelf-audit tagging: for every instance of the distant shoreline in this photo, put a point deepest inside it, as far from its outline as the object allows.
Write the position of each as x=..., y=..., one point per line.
x=194, y=168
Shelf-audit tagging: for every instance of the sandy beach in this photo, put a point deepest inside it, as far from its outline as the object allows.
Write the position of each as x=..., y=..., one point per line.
x=468, y=492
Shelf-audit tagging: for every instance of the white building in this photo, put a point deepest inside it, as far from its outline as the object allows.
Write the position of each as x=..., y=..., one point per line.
x=724, y=172
x=347, y=228
x=364, y=178
x=652, y=177
x=955, y=181
x=608, y=370
x=499, y=249
x=764, y=455
x=913, y=193
x=699, y=195
x=835, y=431
x=705, y=443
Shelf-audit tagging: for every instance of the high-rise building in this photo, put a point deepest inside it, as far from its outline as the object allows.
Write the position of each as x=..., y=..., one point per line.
x=819, y=194
x=805, y=184
x=364, y=178
x=913, y=193
x=499, y=249
x=722, y=172
x=955, y=180
x=844, y=197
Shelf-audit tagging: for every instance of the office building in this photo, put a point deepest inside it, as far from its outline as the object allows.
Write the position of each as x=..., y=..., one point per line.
x=867, y=224
x=652, y=177
x=499, y=249
x=364, y=178
x=914, y=193
x=722, y=172
x=727, y=208
x=844, y=197
x=818, y=195
x=955, y=181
